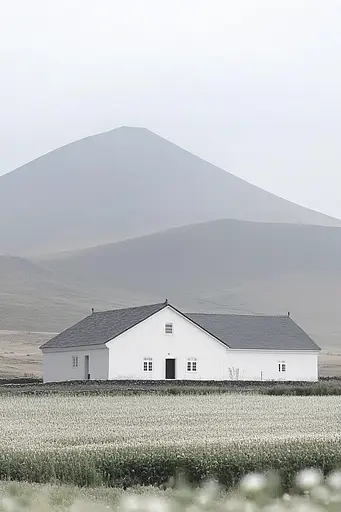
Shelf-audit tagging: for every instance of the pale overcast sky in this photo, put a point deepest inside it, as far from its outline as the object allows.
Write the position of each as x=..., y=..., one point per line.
x=253, y=86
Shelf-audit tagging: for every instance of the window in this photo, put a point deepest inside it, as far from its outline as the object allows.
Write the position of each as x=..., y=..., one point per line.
x=148, y=364
x=168, y=328
x=282, y=366
x=74, y=361
x=191, y=365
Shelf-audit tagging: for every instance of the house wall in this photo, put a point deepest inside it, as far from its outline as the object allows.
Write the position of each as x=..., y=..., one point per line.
x=57, y=364
x=214, y=360
x=263, y=365
x=147, y=339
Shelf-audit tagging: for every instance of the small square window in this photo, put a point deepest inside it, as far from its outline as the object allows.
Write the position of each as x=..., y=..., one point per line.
x=191, y=365
x=284, y=367
x=74, y=361
x=168, y=328
x=147, y=365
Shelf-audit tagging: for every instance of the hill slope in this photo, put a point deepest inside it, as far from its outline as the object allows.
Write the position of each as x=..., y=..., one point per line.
x=229, y=266
x=34, y=298
x=122, y=184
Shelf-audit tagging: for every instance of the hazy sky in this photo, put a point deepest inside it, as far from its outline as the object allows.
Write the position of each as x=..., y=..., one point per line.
x=253, y=86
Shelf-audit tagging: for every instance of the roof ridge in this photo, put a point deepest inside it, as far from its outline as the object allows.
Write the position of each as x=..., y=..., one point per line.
x=254, y=315
x=131, y=307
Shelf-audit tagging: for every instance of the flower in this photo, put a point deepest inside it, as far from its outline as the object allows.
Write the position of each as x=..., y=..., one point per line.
x=308, y=479
x=253, y=483
x=334, y=481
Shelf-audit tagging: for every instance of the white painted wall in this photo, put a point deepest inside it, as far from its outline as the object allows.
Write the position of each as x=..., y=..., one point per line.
x=214, y=360
x=57, y=364
x=263, y=365
x=126, y=353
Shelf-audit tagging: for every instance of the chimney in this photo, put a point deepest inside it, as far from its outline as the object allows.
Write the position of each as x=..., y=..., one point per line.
x=166, y=301
x=288, y=314
x=92, y=310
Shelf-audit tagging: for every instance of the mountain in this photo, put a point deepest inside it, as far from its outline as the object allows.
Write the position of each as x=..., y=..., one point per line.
x=223, y=266
x=122, y=184
x=226, y=266
x=35, y=298
x=182, y=229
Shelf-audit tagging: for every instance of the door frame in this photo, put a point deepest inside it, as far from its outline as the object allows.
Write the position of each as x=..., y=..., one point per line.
x=87, y=367
x=174, y=368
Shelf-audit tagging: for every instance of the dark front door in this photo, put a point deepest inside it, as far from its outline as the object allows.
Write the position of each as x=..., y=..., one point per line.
x=170, y=368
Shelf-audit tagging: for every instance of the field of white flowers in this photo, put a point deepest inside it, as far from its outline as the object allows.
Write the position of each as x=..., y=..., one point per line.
x=130, y=440
x=30, y=422
x=311, y=492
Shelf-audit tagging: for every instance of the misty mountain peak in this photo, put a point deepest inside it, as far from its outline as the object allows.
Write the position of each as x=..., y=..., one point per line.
x=125, y=183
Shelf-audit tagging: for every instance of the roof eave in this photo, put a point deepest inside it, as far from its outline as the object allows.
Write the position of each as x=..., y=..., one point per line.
x=76, y=347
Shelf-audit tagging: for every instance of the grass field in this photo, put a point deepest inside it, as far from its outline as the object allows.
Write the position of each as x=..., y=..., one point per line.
x=255, y=493
x=29, y=386
x=41, y=497
x=131, y=440
x=139, y=421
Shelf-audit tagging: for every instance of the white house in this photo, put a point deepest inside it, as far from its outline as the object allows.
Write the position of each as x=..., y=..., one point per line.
x=159, y=342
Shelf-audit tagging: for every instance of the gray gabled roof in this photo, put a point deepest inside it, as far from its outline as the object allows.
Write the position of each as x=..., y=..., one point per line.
x=255, y=332
x=235, y=331
x=98, y=328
